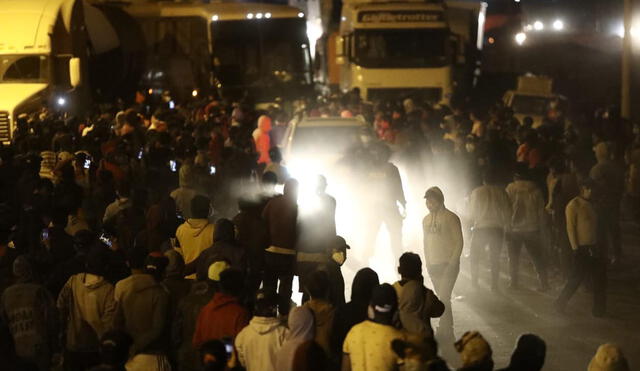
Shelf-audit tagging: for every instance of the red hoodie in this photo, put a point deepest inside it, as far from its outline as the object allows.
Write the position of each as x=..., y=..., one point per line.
x=222, y=317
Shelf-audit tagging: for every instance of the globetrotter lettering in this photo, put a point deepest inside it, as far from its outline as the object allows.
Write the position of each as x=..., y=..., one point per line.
x=397, y=16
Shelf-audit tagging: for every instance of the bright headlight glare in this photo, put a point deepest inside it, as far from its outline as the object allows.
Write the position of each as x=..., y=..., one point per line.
x=558, y=25
x=521, y=37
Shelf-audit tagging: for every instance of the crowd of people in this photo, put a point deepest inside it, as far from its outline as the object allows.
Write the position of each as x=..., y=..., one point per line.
x=158, y=242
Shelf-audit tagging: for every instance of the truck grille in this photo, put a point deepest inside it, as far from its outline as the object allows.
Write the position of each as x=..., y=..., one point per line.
x=424, y=94
x=5, y=127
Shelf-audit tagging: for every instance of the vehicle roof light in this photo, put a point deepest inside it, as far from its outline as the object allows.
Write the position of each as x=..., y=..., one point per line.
x=267, y=15
x=301, y=15
x=249, y=15
x=215, y=17
x=258, y=15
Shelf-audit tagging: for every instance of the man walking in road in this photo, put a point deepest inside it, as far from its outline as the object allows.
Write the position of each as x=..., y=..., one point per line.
x=582, y=229
x=442, y=249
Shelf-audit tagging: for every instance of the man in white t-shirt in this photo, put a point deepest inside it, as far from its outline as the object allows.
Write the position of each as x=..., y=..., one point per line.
x=367, y=346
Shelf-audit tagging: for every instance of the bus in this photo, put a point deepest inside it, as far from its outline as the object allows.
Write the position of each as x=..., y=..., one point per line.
x=238, y=51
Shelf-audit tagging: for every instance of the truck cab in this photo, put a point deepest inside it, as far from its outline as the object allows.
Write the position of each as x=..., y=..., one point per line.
x=534, y=98
x=392, y=48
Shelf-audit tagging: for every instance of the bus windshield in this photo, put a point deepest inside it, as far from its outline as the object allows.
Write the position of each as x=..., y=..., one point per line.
x=254, y=53
x=24, y=69
x=401, y=48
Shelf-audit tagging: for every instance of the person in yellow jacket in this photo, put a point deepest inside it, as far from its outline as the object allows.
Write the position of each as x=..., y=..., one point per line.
x=196, y=234
x=442, y=249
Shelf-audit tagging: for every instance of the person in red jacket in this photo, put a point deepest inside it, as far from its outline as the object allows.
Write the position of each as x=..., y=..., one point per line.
x=224, y=316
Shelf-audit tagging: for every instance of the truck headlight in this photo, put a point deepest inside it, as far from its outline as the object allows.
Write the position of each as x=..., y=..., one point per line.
x=521, y=37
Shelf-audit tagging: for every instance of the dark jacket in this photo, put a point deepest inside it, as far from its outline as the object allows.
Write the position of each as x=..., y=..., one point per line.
x=184, y=324
x=416, y=306
x=225, y=247
x=252, y=234
x=281, y=218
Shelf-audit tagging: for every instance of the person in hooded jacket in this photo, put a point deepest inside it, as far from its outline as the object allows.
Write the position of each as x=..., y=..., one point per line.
x=317, y=286
x=29, y=311
x=416, y=303
x=142, y=310
x=87, y=307
x=223, y=316
x=225, y=247
x=443, y=243
x=174, y=282
x=259, y=342
x=355, y=311
x=186, y=192
x=184, y=323
x=263, y=140
x=196, y=234
x=528, y=355
x=301, y=330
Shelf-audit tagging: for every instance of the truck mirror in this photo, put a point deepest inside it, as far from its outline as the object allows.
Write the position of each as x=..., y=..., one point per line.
x=75, y=74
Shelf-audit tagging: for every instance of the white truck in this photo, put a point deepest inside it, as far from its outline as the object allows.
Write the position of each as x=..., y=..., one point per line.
x=408, y=48
x=64, y=54
x=534, y=98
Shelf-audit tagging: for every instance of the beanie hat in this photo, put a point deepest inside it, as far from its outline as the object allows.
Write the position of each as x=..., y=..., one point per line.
x=435, y=193
x=473, y=348
x=216, y=269
x=609, y=357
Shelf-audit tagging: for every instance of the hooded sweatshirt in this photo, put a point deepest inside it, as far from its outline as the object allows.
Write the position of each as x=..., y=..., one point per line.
x=142, y=309
x=416, y=306
x=194, y=235
x=262, y=139
x=259, y=342
x=87, y=305
x=29, y=311
x=183, y=195
x=323, y=315
x=224, y=247
x=301, y=330
x=442, y=235
x=222, y=317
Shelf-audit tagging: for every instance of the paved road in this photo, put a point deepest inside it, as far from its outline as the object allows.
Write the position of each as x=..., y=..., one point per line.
x=572, y=338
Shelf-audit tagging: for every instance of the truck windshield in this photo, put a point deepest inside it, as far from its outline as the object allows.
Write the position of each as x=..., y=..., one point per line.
x=24, y=69
x=260, y=53
x=404, y=48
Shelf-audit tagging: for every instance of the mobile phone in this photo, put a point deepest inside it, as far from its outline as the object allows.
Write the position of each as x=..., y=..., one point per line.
x=173, y=166
x=87, y=163
x=212, y=170
x=140, y=154
x=106, y=239
x=45, y=234
x=172, y=104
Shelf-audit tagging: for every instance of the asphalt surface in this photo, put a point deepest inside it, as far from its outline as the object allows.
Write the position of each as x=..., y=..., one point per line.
x=572, y=338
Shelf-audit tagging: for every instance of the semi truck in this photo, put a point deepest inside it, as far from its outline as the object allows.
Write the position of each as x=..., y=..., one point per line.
x=238, y=51
x=64, y=54
x=421, y=49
